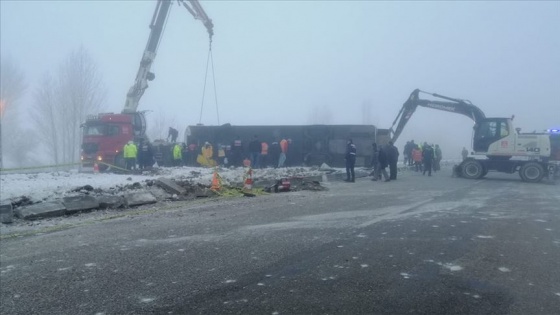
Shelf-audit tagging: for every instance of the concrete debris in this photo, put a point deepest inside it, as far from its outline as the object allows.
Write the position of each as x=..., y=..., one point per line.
x=135, y=185
x=204, y=192
x=41, y=210
x=312, y=185
x=170, y=186
x=79, y=203
x=134, y=191
x=6, y=212
x=82, y=188
x=139, y=198
x=21, y=201
x=110, y=201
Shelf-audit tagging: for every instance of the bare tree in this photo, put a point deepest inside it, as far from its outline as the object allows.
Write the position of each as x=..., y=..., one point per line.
x=12, y=89
x=45, y=116
x=159, y=126
x=320, y=115
x=63, y=103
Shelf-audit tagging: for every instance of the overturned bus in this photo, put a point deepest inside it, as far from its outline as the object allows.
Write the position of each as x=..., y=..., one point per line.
x=309, y=144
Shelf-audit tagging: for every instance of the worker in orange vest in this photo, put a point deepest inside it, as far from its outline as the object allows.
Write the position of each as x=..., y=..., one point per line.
x=417, y=158
x=284, y=151
x=264, y=154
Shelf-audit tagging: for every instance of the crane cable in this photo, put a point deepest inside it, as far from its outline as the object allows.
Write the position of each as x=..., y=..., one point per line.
x=209, y=61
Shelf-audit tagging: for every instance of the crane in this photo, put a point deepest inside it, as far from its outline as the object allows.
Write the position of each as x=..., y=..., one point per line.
x=157, y=25
x=105, y=134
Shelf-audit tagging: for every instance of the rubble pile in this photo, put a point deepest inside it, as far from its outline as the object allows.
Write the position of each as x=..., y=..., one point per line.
x=65, y=193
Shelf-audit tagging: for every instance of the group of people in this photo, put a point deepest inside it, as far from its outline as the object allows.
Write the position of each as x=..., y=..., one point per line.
x=142, y=154
x=254, y=153
x=425, y=158
x=257, y=154
x=382, y=157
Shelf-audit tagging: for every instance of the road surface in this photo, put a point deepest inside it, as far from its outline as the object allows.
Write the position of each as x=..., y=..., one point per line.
x=418, y=245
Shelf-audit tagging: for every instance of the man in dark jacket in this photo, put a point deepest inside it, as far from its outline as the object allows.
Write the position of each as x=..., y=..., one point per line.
x=145, y=155
x=255, y=151
x=375, y=162
x=437, y=158
x=236, y=152
x=350, y=161
x=382, y=156
x=392, y=158
x=406, y=153
x=274, y=153
x=411, y=147
x=428, y=158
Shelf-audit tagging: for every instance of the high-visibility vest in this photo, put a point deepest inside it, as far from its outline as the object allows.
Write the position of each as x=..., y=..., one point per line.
x=177, y=155
x=130, y=151
x=264, y=148
x=284, y=145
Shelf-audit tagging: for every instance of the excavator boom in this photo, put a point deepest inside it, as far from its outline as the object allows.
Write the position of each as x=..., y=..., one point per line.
x=453, y=105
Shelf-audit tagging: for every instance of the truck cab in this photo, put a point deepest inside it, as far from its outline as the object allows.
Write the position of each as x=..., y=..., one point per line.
x=105, y=135
x=496, y=137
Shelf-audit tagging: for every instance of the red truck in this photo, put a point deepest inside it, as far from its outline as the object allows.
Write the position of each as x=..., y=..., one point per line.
x=104, y=135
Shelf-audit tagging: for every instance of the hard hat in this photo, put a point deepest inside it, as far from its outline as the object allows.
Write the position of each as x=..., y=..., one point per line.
x=130, y=142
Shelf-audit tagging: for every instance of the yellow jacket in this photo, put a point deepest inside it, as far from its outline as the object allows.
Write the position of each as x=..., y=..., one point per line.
x=177, y=155
x=130, y=151
x=207, y=152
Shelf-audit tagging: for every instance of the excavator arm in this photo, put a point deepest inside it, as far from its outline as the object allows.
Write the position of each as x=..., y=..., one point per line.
x=156, y=30
x=453, y=105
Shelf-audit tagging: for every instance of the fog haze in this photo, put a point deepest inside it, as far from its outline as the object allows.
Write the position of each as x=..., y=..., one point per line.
x=275, y=61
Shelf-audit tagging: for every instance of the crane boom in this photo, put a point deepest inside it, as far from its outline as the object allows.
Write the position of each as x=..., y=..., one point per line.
x=156, y=26
x=453, y=105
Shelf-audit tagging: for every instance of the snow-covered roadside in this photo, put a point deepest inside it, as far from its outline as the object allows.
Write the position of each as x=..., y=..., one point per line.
x=44, y=186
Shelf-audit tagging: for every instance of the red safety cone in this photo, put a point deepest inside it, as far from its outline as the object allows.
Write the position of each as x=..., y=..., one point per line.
x=248, y=183
x=95, y=168
x=216, y=181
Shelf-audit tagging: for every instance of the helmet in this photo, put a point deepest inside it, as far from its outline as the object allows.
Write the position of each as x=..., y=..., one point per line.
x=130, y=142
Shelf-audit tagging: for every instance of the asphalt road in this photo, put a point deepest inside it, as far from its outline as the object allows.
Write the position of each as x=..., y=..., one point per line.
x=418, y=245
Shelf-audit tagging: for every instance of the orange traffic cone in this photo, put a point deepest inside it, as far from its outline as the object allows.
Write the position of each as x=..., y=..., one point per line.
x=216, y=181
x=95, y=168
x=248, y=183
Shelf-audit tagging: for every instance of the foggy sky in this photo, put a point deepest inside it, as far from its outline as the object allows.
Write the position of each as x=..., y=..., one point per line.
x=275, y=61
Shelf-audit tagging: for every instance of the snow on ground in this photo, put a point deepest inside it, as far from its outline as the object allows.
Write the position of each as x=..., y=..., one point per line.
x=46, y=185
x=42, y=186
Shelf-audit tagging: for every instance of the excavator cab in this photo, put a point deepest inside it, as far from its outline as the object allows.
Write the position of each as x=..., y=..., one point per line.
x=492, y=137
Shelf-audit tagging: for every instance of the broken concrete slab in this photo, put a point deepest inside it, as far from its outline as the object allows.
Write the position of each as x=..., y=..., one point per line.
x=170, y=186
x=139, y=198
x=110, y=201
x=6, y=212
x=79, y=203
x=41, y=210
x=204, y=192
